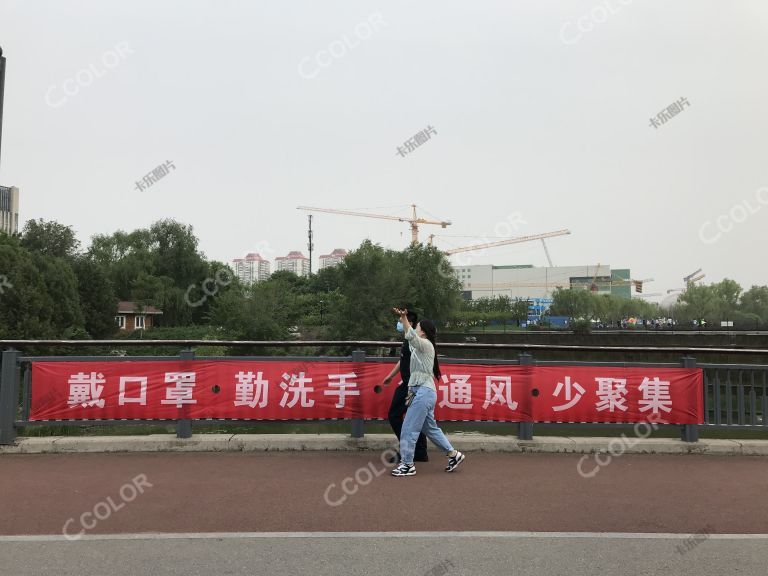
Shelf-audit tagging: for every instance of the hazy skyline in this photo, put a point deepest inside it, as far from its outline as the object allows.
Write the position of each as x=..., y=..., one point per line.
x=540, y=109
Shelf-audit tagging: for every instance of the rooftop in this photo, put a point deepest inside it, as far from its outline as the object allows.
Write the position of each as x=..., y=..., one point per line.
x=127, y=307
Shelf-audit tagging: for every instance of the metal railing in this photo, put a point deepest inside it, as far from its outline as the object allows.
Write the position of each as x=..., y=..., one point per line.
x=367, y=344
x=735, y=395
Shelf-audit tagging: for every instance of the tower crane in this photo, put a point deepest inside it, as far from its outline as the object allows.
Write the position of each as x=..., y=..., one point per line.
x=694, y=277
x=505, y=242
x=414, y=221
x=593, y=287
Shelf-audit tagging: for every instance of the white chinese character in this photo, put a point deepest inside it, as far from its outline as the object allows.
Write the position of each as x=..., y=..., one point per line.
x=251, y=390
x=293, y=384
x=655, y=395
x=342, y=386
x=142, y=382
x=611, y=392
x=501, y=388
x=568, y=392
x=85, y=390
x=457, y=392
x=181, y=393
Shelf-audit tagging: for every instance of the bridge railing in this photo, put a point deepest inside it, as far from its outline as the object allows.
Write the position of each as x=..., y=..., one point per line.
x=735, y=395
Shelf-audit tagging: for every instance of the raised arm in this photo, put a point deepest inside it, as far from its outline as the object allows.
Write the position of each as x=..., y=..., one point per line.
x=403, y=318
x=410, y=331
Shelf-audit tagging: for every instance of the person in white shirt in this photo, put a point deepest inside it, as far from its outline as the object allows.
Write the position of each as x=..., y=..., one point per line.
x=422, y=396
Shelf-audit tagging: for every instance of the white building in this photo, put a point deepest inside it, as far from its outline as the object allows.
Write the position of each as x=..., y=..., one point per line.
x=332, y=259
x=295, y=262
x=252, y=268
x=9, y=209
x=527, y=282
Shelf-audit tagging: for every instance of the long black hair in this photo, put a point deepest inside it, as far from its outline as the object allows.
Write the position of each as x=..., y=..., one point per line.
x=428, y=327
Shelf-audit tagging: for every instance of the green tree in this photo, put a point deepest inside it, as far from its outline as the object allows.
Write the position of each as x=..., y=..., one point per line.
x=160, y=266
x=434, y=292
x=26, y=308
x=696, y=303
x=755, y=302
x=373, y=280
x=50, y=238
x=62, y=289
x=727, y=293
x=574, y=303
x=520, y=310
x=260, y=311
x=98, y=302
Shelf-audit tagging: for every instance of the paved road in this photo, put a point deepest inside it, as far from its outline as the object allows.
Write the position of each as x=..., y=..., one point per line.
x=240, y=492
x=668, y=497
x=458, y=555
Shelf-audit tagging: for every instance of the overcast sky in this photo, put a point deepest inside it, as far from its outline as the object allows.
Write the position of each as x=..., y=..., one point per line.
x=540, y=108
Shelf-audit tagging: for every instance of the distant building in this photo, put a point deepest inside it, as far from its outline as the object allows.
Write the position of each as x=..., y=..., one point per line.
x=134, y=316
x=9, y=209
x=252, y=268
x=295, y=262
x=538, y=284
x=332, y=259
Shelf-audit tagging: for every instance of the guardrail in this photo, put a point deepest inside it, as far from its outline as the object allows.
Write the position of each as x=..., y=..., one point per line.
x=686, y=350
x=735, y=395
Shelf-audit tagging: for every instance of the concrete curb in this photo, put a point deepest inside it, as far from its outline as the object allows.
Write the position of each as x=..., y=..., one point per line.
x=469, y=442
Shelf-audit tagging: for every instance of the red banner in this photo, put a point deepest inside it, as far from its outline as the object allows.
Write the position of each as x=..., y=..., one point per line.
x=280, y=390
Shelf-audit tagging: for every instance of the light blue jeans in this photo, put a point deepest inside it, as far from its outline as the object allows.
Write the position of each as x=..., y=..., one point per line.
x=420, y=417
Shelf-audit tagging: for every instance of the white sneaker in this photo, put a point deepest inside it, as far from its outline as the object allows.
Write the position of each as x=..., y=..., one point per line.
x=404, y=470
x=454, y=461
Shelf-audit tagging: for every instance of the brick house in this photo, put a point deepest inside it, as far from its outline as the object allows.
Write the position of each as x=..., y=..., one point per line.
x=134, y=316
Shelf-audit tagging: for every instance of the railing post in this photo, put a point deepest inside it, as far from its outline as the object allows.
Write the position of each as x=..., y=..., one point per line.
x=9, y=396
x=525, y=429
x=358, y=424
x=184, y=426
x=690, y=432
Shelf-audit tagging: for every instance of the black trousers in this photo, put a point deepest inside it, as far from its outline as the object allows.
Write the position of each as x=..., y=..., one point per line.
x=397, y=413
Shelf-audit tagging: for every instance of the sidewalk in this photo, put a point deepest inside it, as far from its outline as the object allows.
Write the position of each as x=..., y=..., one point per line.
x=467, y=442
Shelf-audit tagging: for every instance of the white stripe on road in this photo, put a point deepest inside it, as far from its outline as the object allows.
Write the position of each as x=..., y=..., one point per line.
x=247, y=535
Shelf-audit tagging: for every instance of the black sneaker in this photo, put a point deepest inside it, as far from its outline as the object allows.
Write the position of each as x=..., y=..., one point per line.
x=394, y=458
x=404, y=470
x=454, y=461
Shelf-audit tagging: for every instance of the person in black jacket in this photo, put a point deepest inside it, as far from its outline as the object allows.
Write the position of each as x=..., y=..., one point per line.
x=397, y=408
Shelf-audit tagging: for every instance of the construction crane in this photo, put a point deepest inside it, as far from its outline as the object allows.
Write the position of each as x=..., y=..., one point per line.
x=593, y=287
x=546, y=251
x=505, y=242
x=693, y=277
x=689, y=281
x=414, y=221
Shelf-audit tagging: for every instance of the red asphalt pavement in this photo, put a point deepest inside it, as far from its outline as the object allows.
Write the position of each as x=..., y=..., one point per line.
x=264, y=492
